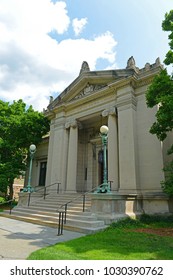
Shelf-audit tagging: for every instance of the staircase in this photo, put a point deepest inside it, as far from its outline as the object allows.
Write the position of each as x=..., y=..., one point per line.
x=44, y=212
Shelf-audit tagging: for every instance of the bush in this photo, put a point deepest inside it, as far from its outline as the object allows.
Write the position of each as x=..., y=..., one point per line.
x=149, y=219
x=143, y=221
x=2, y=199
x=126, y=223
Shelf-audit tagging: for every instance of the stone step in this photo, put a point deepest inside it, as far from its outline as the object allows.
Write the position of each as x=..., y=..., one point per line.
x=81, y=224
x=86, y=230
x=45, y=211
x=60, y=203
x=71, y=220
x=47, y=214
x=52, y=208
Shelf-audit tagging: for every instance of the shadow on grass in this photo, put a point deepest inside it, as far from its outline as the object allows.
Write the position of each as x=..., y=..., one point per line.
x=116, y=243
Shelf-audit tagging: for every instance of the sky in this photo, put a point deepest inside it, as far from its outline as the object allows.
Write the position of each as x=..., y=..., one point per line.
x=43, y=43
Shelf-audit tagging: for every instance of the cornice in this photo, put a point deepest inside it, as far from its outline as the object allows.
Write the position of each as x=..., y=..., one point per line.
x=90, y=77
x=107, y=83
x=73, y=104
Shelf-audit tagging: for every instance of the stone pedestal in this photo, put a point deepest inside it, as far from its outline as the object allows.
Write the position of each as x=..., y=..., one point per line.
x=23, y=199
x=26, y=198
x=111, y=207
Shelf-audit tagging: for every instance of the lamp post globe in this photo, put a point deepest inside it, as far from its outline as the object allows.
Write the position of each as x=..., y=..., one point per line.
x=32, y=148
x=104, y=129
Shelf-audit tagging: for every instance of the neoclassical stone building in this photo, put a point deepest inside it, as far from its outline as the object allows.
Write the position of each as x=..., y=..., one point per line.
x=72, y=153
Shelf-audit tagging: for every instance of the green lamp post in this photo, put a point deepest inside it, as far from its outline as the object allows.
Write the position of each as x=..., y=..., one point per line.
x=32, y=150
x=104, y=136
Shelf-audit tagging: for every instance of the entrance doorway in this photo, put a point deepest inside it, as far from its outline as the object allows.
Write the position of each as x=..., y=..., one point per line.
x=42, y=176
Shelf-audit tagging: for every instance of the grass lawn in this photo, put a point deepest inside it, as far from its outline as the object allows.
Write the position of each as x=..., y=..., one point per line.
x=121, y=241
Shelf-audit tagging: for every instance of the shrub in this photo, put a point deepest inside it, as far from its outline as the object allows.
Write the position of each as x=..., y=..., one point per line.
x=126, y=223
x=2, y=199
x=149, y=219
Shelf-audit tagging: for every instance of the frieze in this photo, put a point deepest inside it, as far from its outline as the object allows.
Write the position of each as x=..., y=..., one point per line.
x=88, y=90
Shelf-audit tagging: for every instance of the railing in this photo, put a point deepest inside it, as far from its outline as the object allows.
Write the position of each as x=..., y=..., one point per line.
x=10, y=202
x=57, y=189
x=44, y=189
x=63, y=212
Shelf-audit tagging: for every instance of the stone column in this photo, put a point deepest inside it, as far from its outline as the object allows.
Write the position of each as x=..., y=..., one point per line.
x=50, y=154
x=128, y=148
x=64, y=159
x=72, y=156
x=112, y=148
x=57, y=146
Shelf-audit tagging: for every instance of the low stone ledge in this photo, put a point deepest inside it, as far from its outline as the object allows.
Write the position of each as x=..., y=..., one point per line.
x=112, y=206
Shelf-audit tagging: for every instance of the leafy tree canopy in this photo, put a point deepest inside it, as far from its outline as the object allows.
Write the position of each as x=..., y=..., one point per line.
x=161, y=93
x=19, y=128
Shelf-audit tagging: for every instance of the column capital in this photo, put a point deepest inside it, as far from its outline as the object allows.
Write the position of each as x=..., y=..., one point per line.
x=110, y=111
x=73, y=123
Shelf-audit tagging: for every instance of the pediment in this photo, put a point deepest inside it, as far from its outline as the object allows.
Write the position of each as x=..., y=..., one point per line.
x=88, y=83
x=89, y=89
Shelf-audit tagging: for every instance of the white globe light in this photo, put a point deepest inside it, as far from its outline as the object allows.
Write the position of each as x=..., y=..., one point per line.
x=104, y=129
x=32, y=148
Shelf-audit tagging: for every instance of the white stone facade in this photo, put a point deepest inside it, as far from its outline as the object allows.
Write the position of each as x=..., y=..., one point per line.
x=115, y=98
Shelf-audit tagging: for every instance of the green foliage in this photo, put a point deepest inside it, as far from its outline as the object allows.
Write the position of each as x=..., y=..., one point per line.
x=157, y=220
x=126, y=223
x=167, y=185
x=143, y=221
x=160, y=93
x=19, y=127
x=167, y=25
x=2, y=199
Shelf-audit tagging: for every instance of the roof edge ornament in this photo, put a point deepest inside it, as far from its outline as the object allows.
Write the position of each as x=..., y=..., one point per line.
x=131, y=64
x=84, y=67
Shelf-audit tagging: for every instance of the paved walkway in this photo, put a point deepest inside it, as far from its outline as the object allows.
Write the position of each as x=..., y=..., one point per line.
x=18, y=239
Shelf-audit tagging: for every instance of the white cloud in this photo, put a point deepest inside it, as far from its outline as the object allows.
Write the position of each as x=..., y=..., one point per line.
x=78, y=25
x=32, y=64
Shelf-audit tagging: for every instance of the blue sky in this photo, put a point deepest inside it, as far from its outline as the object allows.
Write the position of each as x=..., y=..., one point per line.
x=43, y=43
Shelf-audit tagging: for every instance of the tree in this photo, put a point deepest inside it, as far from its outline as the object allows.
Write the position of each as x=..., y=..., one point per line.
x=160, y=93
x=19, y=127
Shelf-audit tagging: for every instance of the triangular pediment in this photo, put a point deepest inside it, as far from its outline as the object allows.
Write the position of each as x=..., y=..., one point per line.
x=89, y=83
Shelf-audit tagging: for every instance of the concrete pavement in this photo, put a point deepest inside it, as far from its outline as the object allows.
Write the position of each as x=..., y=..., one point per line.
x=18, y=239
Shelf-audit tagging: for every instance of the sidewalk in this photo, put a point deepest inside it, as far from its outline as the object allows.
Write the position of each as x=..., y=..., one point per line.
x=18, y=239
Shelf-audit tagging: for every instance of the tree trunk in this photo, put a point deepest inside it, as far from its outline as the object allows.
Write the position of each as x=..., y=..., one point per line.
x=11, y=189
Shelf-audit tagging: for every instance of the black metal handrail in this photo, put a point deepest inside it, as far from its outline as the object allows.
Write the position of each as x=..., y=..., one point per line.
x=84, y=196
x=57, y=189
x=63, y=212
x=45, y=191
x=10, y=202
